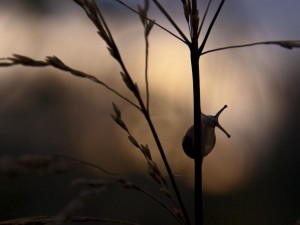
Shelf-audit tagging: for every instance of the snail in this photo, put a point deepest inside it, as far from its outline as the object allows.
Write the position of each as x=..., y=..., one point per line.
x=208, y=124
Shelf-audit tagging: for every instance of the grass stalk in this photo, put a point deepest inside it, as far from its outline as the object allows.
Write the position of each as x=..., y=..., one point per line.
x=60, y=65
x=43, y=220
x=166, y=14
x=197, y=131
x=151, y=20
x=146, y=72
x=204, y=17
x=284, y=43
x=167, y=166
x=211, y=26
x=194, y=57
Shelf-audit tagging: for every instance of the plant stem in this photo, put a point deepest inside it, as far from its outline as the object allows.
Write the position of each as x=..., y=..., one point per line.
x=164, y=12
x=289, y=44
x=204, y=17
x=168, y=168
x=197, y=134
x=158, y=143
x=194, y=51
x=146, y=71
x=211, y=26
x=153, y=21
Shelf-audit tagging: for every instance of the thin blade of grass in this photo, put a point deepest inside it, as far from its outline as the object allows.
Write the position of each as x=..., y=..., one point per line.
x=166, y=14
x=42, y=220
x=58, y=64
x=204, y=17
x=288, y=44
x=153, y=21
x=210, y=27
x=147, y=28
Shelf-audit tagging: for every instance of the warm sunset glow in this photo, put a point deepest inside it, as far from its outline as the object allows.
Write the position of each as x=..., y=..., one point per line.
x=236, y=78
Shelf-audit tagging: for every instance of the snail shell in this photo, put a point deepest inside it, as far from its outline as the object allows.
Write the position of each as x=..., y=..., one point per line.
x=208, y=124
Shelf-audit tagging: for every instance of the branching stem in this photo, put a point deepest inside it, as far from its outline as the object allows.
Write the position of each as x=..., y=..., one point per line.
x=211, y=26
x=166, y=14
x=204, y=17
x=153, y=21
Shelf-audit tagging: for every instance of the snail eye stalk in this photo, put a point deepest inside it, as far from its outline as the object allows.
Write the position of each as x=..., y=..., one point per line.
x=217, y=121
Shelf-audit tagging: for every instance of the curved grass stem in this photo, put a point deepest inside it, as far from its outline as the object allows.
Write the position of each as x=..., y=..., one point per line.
x=283, y=43
x=151, y=20
x=167, y=166
x=43, y=220
x=210, y=27
x=166, y=14
x=58, y=64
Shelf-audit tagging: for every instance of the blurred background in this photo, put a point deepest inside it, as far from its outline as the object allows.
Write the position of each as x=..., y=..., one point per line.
x=251, y=178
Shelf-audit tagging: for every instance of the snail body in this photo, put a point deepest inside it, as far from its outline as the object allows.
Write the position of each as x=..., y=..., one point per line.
x=208, y=138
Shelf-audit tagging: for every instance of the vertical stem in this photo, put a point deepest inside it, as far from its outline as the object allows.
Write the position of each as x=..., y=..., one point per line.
x=197, y=134
x=197, y=116
x=146, y=72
